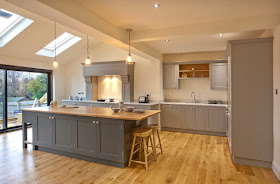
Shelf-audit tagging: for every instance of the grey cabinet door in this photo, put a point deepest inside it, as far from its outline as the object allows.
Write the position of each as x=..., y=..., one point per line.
x=43, y=130
x=216, y=119
x=199, y=118
x=219, y=76
x=172, y=116
x=63, y=133
x=188, y=117
x=111, y=139
x=170, y=76
x=86, y=136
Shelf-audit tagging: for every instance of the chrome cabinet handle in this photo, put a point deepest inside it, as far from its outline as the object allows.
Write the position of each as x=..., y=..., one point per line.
x=50, y=117
x=53, y=118
x=93, y=122
x=97, y=122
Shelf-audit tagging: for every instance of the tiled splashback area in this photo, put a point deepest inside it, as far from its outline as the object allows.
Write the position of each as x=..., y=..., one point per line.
x=202, y=90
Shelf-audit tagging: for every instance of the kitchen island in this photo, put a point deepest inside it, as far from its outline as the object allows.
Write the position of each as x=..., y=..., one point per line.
x=89, y=133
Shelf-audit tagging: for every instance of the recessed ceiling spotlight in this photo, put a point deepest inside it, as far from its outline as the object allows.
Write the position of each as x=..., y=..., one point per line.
x=156, y=5
x=220, y=34
x=166, y=40
x=178, y=51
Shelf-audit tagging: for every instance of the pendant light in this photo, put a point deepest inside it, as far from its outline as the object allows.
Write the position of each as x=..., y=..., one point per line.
x=129, y=58
x=55, y=63
x=87, y=61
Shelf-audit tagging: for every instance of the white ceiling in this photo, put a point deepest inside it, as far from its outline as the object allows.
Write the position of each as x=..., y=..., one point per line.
x=195, y=43
x=190, y=25
x=141, y=15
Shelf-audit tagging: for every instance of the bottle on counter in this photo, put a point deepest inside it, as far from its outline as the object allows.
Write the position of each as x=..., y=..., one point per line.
x=121, y=105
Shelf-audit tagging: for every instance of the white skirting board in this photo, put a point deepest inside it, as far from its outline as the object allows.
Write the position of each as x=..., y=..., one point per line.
x=276, y=169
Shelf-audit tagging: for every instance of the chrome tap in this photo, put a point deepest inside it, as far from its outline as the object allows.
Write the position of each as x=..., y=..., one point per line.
x=193, y=96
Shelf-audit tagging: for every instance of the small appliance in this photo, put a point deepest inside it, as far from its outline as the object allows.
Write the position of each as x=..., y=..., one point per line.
x=143, y=99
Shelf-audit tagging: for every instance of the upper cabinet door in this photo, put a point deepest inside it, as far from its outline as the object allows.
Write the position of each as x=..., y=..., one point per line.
x=170, y=76
x=219, y=76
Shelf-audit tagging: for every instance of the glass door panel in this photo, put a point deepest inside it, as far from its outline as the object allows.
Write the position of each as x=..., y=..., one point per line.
x=2, y=79
x=24, y=90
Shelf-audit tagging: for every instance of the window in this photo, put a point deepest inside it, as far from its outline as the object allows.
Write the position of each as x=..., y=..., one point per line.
x=11, y=25
x=63, y=42
x=20, y=88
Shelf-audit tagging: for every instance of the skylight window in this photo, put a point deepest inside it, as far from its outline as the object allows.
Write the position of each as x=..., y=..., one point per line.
x=11, y=25
x=63, y=42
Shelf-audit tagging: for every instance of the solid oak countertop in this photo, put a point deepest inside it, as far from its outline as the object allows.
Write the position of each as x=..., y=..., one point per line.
x=99, y=112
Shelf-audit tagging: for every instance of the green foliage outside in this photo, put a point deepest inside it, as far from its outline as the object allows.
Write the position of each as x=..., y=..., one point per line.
x=37, y=87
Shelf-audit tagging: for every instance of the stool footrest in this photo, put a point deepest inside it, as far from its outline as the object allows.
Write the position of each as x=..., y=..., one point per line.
x=139, y=162
x=136, y=150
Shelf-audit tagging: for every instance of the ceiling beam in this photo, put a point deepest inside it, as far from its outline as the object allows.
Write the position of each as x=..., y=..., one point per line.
x=71, y=14
x=224, y=26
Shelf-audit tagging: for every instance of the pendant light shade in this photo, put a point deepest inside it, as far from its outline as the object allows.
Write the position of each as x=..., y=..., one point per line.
x=55, y=63
x=87, y=61
x=129, y=59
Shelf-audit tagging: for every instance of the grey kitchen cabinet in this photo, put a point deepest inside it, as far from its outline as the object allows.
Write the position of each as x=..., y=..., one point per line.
x=170, y=76
x=62, y=133
x=199, y=118
x=194, y=118
x=81, y=103
x=111, y=140
x=188, y=118
x=86, y=136
x=250, y=97
x=215, y=119
x=95, y=137
x=172, y=116
x=43, y=130
x=219, y=76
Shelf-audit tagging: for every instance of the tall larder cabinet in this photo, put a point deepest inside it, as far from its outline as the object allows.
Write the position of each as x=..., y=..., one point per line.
x=250, y=100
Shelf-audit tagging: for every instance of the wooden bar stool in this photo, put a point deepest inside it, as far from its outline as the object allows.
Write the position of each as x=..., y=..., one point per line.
x=155, y=129
x=143, y=134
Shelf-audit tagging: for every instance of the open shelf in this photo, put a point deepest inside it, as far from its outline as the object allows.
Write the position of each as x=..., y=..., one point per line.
x=193, y=71
x=187, y=78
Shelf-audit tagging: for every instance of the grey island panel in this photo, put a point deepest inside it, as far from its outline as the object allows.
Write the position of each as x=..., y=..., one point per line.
x=101, y=140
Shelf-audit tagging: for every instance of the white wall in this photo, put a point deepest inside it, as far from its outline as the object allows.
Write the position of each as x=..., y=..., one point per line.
x=147, y=73
x=202, y=90
x=276, y=103
x=58, y=74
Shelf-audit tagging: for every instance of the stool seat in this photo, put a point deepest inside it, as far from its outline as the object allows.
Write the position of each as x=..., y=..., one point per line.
x=142, y=132
x=152, y=126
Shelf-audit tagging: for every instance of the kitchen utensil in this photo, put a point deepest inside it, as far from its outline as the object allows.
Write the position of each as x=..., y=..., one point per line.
x=128, y=109
x=115, y=110
x=121, y=105
x=101, y=100
x=139, y=110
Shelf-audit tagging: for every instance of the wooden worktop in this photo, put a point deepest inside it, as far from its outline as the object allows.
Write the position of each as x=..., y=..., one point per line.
x=99, y=112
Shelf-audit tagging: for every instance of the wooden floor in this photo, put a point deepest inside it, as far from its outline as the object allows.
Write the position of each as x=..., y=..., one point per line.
x=187, y=158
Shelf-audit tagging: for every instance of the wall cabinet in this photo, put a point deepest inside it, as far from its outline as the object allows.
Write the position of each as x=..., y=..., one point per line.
x=171, y=76
x=219, y=76
x=197, y=118
x=86, y=136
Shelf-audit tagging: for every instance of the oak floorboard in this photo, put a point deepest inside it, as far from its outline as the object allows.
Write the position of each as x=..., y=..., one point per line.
x=188, y=158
